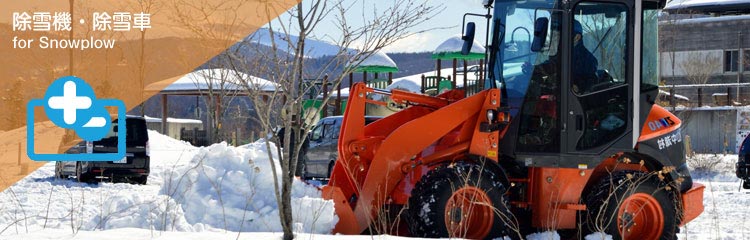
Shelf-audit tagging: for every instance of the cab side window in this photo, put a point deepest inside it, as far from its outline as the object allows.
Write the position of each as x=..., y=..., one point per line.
x=599, y=46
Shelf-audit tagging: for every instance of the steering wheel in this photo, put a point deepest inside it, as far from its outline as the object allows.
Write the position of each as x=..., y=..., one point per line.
x=604, y=81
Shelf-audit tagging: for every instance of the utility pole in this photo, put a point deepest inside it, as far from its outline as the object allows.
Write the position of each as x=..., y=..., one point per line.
x=739, y=63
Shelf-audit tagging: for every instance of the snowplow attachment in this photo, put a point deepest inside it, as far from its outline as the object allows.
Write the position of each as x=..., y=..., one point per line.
x=692, y=203
x=374, y=158
x=347, y=221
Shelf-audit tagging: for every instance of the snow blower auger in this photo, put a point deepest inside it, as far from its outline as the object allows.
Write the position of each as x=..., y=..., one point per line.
x=565, y=136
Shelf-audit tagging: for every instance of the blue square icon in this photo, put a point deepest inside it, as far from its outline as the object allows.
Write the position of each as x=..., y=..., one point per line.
x=70, y=103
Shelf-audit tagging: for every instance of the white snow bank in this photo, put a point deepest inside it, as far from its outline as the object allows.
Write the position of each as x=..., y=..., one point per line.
x=232, y=188
x=158, y=141
x=598, y=236
x=677, y=4
x=548, y=235
x=216, y=78
x=378, y=59
x=172, y=120
x=456, y=44
x=137, y=233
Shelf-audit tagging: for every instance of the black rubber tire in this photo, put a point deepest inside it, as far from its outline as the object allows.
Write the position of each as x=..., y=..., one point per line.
x=142, y=180
x=81, y=176
x=604, y=197
x=433, y=191
x=330, y=168
x=301, y=162
x=58, y=171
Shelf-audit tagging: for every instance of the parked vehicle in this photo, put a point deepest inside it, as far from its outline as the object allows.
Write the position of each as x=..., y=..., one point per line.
x=320, y=151
x=743, y=163
x=133, y=168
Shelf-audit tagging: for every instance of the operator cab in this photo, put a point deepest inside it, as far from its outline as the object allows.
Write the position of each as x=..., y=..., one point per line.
x=564, y=69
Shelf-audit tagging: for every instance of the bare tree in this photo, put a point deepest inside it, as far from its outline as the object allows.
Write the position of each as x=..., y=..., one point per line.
x=285, y=62
x=220, y=88
x=699, y=67
x=218, y=24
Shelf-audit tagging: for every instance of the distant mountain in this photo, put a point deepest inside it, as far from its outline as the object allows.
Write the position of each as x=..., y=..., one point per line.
x=313, y=48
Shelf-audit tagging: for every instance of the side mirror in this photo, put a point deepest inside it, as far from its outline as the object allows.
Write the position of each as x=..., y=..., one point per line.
x=468, y=38
x=540, y=34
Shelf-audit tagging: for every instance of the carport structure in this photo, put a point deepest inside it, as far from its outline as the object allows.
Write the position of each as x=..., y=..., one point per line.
x=205, y=82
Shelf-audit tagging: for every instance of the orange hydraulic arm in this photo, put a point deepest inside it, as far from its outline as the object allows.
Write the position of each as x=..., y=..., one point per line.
x=373, y=159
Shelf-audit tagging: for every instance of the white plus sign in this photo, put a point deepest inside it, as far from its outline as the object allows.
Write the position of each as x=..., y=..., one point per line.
x=69, y=102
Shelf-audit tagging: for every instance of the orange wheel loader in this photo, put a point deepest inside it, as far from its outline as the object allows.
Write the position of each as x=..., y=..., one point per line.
x=565, y=136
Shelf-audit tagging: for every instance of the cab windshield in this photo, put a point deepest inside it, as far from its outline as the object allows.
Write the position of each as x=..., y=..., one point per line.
x=513, y=34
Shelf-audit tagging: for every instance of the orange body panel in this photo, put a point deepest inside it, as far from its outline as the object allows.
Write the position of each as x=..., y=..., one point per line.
x=659, y=122
x=692, y=203
x=561, y=187
x=374, y=160
x=556, y=207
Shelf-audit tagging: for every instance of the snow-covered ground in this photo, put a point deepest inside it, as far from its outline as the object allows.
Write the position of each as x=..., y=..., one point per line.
x=224, y=192
x=190, y=189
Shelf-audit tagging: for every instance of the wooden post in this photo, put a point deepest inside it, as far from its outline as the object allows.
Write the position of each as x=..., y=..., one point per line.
x=700, y=97
x=423, y=83
x=218, y=115
x=364, y=77
x=390, y=78
x=164, y=111
x=671, y=99
x=338, y=100
x=729, y=96
x=455, y=62
x=351, y=80
x=376, y=75
x=466, y=72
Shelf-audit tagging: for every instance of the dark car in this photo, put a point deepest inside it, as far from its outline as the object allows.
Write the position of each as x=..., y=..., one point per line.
x=320, y=151
x=133, y=168
x=743, y=163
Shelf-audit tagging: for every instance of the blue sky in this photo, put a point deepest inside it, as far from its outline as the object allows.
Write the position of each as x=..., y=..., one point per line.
x=449, y=22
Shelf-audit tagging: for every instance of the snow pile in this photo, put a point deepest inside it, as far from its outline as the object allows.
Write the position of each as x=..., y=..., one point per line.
x=232, y=188
x=548, y=235
x=216, y=78
x=598, y=236
x=158, y=142
x=40, y=202
x=122, y=209
x=455, y=44
x=378, y=59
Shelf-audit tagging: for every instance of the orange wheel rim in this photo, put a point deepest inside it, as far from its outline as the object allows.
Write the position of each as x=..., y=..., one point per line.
x=640, y=217
x=469, y=213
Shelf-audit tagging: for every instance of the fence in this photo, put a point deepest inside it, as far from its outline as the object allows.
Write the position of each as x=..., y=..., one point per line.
x=702, y=95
